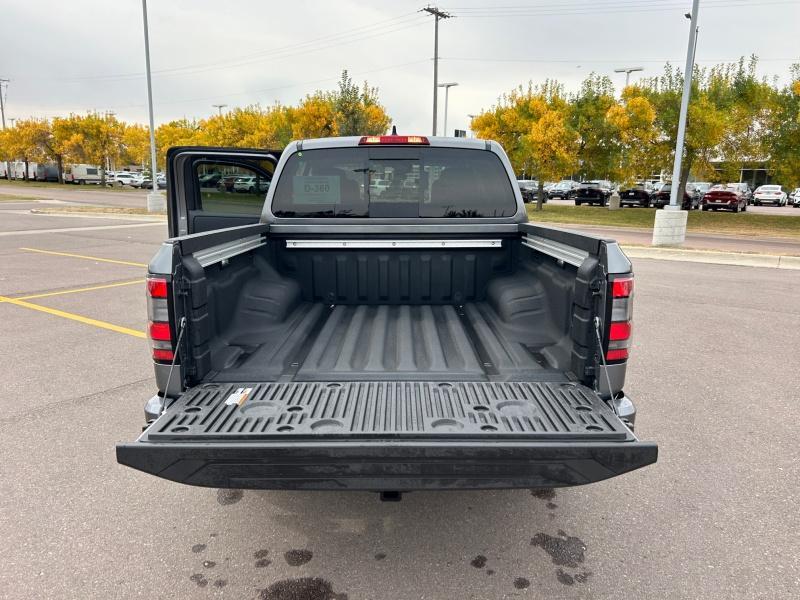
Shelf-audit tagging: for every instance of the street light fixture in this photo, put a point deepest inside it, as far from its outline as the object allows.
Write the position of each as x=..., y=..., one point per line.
x=628, y=71
x=219, y=107
x=446, y=87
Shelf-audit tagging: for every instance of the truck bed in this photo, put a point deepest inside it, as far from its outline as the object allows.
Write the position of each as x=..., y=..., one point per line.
x=386, y=342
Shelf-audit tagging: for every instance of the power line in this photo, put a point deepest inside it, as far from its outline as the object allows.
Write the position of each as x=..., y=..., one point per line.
x=275, y=88
x=364, y=32
x=614, y=7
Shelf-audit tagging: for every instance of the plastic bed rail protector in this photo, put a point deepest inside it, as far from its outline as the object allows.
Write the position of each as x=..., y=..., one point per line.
x=220, y=252
x=304, y=244
x=568, y=254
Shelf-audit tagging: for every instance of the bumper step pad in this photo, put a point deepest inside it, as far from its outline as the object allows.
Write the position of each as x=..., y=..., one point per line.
x=395, y=409
x=378, y=436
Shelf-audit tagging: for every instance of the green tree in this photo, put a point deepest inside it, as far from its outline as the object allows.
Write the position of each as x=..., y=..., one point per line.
x=782, y=136
x=358, y=111
x=706, y=123
x=633, y=122
x=599, y=146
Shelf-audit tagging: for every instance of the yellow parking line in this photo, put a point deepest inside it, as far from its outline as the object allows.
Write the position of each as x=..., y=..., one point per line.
x=108, y=260
x=73, y=317
x=86, y=289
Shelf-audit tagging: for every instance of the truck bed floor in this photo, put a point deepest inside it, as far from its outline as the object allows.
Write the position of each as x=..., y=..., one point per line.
x=387, y=342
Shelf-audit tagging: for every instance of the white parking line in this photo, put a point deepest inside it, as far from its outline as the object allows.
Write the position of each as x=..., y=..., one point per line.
x=89, y=228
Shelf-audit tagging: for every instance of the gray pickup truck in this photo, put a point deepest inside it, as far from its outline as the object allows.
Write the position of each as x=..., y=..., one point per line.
x=417, y=334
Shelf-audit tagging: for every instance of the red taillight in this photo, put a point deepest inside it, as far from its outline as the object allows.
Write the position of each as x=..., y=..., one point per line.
x=619, y=328
x=162, y=354
x=619, y=331
x=393, y=139
x=622, y=287
x=618, y=354
x=160, y=332
x=158, y=329
x=156, y=288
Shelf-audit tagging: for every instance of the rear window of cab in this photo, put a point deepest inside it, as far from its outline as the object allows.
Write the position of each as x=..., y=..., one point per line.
x=394, y=182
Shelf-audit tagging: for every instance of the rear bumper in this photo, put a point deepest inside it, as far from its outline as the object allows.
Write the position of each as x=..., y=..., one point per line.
x=387, y=465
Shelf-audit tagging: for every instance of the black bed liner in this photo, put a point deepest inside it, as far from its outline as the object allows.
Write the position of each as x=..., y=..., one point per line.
x=386, y=342
x=388, y=436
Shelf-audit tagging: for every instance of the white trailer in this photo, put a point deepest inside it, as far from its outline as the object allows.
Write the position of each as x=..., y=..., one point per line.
x=82, y=174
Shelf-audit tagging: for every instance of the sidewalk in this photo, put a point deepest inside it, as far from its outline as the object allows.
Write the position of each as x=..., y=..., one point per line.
x=774, y=261
x=717, y=242
x=713, y=248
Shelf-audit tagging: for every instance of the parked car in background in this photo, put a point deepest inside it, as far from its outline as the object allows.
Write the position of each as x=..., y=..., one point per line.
x=702, y=187
x=225, y=183
x=593, y=192
x=529, y=188
x=770, y=194
x=378, y=186
x=729, y=196
x=82, y=174
x=121, y=178
x=251, y=185
x=691, y=197
x=639, y=194
x=137, y=180
x=564, y=189
x=794, y=198
x=209, y=180
x=147, y=182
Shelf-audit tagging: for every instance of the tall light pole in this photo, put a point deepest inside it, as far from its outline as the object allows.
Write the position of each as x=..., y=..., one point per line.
x=155, y=202
x=446, y=87
x=437, y=14
x=219, y=107
x=471, y=118
x=628, y=71
x=670, y=224
x=3, y=117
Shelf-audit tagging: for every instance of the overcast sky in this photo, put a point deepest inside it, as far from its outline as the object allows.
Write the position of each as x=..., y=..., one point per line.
x=78, y=55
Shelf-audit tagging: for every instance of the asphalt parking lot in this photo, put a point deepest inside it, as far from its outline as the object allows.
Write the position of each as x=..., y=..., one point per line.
x=713, y=372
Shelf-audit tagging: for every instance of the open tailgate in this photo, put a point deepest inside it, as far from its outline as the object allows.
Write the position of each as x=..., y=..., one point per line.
x=388, y=436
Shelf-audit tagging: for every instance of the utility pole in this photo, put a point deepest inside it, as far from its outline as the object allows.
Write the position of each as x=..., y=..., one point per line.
x=446, y=87
x=670, y=223
x=3, y=116
x=154, y=200
x=219, y=107
x=437, y=14
x=628, y=71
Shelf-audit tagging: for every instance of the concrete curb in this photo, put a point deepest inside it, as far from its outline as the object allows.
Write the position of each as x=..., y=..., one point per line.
x=772, y=261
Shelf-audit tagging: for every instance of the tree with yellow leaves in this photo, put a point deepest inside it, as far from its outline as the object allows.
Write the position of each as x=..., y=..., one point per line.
x=633, y=120
x=533, y=127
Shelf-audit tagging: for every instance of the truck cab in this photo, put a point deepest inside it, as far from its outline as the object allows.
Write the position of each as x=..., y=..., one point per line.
x=423, y=336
